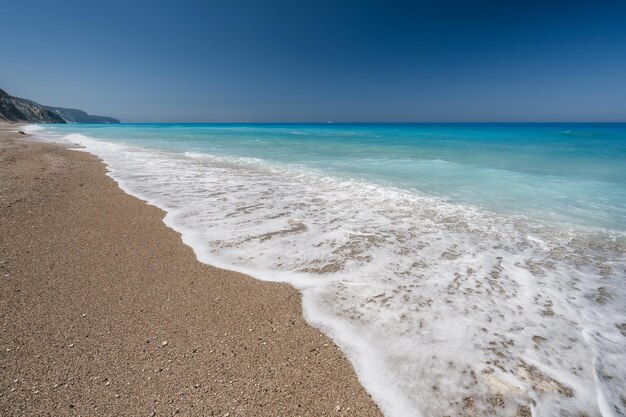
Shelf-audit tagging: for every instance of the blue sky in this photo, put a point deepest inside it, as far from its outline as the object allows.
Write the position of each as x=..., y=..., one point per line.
x=320, y=60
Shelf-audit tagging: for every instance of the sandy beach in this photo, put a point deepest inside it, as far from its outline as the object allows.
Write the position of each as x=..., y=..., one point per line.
x=104, y=311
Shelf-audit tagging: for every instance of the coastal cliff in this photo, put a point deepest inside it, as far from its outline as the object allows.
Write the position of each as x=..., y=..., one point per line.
x=15, y=109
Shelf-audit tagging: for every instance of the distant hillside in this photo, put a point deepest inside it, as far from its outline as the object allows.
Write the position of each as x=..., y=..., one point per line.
x=14, y=109
x=79, y=116
x=17, y=109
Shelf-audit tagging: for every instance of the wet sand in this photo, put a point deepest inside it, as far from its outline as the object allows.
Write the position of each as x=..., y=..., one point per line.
x=104, y=311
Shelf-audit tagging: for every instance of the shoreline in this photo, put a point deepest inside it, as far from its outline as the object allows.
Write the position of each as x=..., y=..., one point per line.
x=106, y=311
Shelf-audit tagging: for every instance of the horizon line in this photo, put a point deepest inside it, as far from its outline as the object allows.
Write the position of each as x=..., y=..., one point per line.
x=376, y=122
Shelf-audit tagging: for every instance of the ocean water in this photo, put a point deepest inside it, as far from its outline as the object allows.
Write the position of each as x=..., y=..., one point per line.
x=465, y=270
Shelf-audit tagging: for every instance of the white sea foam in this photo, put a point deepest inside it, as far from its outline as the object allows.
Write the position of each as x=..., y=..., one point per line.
x=32, y=128
x=443, y=309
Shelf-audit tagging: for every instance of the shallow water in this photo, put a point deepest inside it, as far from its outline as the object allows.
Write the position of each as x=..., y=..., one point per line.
x=464, y=269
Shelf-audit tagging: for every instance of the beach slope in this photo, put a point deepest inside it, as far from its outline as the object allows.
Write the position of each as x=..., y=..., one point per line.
x=104, y=311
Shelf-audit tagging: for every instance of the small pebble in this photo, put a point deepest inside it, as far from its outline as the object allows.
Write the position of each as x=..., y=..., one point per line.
x=71, y=345
x=164, y=343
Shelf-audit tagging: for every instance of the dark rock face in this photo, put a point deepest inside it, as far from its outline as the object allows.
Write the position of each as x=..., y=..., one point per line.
x=15, y=109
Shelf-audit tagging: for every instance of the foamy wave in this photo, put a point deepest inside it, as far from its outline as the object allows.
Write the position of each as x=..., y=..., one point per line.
x=443, y=309
x=32, y=128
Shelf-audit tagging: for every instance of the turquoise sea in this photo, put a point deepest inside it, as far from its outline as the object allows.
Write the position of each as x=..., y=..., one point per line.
x=447, y=260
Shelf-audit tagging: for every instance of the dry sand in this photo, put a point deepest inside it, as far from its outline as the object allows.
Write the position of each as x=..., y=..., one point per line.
x=104, y=311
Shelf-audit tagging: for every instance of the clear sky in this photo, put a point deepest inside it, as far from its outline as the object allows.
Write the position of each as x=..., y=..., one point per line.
x=319, y=60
